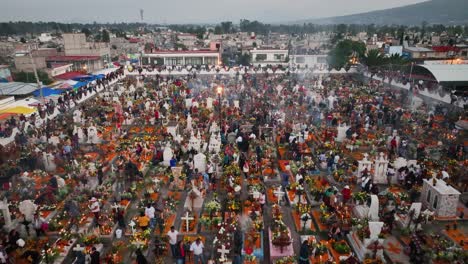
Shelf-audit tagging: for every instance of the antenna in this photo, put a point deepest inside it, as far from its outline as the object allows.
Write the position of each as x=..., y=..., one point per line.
x=141, y=14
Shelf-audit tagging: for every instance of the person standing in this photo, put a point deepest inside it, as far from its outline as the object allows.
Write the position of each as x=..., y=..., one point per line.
x=143, y=221
x=304, y=252
x=140, y=259
x=172, y=234
x=95, y=209
x=180, y=252
x=38, y=223
x=95, y=256
x=197, y=249
x=150, y=213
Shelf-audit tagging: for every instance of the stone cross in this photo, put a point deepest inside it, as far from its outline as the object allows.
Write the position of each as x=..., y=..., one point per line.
x=223, y=252
x=187, y=220
x=132, y=225
x=279, y=194
x=115, y=206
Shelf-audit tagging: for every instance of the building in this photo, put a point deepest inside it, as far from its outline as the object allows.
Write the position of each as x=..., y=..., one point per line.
x=76, y=45
x=78, y=63
x=182, y=57
x=317, y=61
x=436, y=52
x=269, y=56
x=45, y=37
x=23, y=61
x=5, y=74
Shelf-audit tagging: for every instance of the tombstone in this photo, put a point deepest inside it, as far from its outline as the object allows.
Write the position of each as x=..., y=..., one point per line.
x=77, y=116
x=194, y=200
x=28, y=209
x=168, y=153
x=199, y=162
x=331, y=101
x=405, y=220
x=440, y=198
x=223, y=251
x=209, y=103
x=380, y=171
x=279, y=194
x=189, y=122
x=364, y=164
x=4, y=206
x=194, y=142
x=172, y=128
x=215, y=143
x=236, y=104
x=342, y=132
x=176, y=172
x=214, y=127
x=374, y=208
x=187, y=218
x=93, y=135
x=362, y=247
x=49, y=161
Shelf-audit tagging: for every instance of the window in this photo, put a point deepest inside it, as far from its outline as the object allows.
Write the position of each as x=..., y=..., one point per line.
x=261, y=57
x=211, y=60
x=193, y=61
x=321, y=59
x=279, y=57
x=428, y=198
x=171, y=61
x=300, y=60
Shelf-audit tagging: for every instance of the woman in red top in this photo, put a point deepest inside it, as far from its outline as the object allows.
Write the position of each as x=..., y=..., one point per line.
x=346, y=192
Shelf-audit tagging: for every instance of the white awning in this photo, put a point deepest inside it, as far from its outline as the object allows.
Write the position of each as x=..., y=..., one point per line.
x=448, y=72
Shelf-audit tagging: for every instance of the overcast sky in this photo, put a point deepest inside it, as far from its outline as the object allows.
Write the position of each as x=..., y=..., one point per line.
x=185, y=11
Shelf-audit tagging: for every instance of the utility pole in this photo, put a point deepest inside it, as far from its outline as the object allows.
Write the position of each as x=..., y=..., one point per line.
x=39, y=84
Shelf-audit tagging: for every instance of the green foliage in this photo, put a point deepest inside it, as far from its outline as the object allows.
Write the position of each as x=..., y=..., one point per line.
x=28, y=77
x=244, y=59
x=86, y=31
x=340, y=55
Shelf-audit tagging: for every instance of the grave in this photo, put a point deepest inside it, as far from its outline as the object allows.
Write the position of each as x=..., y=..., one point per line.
x=364, y=164
x=440, y=197
x=363, y=247
x=380, y=172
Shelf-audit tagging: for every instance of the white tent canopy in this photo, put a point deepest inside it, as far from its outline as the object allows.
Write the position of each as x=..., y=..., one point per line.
x=17, y=88
x=448, y=72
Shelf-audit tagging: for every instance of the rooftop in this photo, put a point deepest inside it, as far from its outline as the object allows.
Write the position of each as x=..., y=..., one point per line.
x=182, y=51
x=418, y=49
x=72, y=58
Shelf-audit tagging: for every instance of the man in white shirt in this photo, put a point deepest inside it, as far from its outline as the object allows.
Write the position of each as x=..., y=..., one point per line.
x=172, y=234
x=149, y=212
x=197, y=249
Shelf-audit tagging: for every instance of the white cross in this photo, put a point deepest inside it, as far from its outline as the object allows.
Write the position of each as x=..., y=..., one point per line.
x=187, y=218
x=223, y=252
x=132, y=225
x=78, y=247
x=278, y=193
x=115, y=206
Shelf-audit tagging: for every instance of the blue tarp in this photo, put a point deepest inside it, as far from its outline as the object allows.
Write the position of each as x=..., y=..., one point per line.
x=79, y=84
x=83, y=78
x=46, y=91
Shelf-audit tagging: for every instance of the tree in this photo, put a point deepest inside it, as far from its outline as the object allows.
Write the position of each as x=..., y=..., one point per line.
x=244, y=59
x=339, y=56
x=218, y=30
x=86, y=31
x=23, y=40
x=105, y=36
x=227, y=27
x=28, y=77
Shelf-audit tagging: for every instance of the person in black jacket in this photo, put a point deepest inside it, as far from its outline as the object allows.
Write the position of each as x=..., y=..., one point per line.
x=304, y=253
x=140, y=259
x=95, y=256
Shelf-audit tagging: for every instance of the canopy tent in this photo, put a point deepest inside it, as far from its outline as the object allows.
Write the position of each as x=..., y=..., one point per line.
x=68, y=84
x=448, y=72
x=85, y=78
x=5, y=116
x=17, y=88
x=18, y=110
x=46, y=91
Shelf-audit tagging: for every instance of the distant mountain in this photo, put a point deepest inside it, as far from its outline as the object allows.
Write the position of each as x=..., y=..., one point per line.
x=434, y=12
